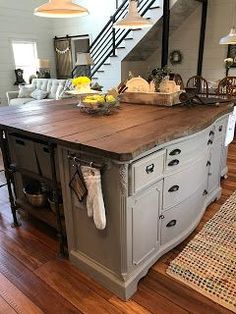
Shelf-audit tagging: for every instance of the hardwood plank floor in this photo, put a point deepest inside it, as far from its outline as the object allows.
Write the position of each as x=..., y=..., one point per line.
x=33, y=280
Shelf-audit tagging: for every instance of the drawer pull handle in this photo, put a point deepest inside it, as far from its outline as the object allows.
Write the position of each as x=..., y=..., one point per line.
x=175, y=152
x=174, y=162
x=174, y=188
x=221, y=128
x=210, y=142
x=205, y=193
x=150, y=168
x=208, y=163
x=172, y=223
x=20, y=142
x=46, y=150
x=211, y=133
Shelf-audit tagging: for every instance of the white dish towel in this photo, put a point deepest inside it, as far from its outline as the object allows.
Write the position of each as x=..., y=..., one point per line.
x=94, y=202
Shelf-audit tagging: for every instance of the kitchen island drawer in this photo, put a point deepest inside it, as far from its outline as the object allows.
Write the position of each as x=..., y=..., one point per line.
x=22, y=153
x=181, y=153
x=44, y=163
x=147, y=171
x=181, y=185
x=177, y=220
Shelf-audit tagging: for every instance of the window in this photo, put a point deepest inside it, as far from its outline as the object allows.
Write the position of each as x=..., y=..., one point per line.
x=25, y=56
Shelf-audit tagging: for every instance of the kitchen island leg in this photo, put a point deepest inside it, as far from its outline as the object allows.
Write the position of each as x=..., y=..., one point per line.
x=9, y=176
x=55, y=194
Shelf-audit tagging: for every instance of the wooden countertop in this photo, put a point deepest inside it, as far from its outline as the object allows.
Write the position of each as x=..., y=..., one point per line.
x=122, y=136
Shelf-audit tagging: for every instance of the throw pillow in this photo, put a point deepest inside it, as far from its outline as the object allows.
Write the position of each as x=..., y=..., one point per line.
x=26, y=91
x=39, y=94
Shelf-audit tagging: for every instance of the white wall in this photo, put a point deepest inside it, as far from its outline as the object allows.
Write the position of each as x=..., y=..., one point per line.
x=18, y=22
x=186, y=39
x=99, y=13
x=220, y=20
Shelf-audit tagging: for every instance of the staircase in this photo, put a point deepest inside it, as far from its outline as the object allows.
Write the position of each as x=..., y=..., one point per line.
x=112, y=46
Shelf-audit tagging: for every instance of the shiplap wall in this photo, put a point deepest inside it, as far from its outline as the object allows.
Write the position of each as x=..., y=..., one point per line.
x=18, y=22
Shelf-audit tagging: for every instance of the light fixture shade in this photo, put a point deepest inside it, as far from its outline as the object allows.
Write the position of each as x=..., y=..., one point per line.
x=60, y=9
x=43, y=63
x=230, y=39
x=133, y=19
x=84, y=58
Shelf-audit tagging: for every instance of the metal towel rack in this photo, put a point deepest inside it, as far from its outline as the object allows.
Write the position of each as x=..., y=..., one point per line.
x=83, y=162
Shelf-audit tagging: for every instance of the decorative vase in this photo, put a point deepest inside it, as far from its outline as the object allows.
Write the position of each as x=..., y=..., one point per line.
x=167, y=86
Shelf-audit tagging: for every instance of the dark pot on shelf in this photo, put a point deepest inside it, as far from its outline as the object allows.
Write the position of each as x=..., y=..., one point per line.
x=35, y=196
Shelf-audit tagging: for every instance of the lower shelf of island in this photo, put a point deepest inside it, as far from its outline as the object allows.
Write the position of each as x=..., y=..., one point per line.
x=43, y=214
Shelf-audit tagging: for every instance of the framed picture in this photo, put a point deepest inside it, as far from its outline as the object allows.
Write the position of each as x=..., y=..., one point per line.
x=232, y=54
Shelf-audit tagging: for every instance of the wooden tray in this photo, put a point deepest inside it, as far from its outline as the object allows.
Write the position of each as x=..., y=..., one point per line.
x=157, y=99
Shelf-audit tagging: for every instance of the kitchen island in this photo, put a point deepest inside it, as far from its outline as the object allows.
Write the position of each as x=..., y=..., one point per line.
x=160, y=169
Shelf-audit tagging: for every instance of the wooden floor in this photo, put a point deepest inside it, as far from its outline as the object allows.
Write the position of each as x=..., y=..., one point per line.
x=33, y=280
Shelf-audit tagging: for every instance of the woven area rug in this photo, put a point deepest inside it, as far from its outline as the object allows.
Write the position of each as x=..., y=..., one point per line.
x=208, y=262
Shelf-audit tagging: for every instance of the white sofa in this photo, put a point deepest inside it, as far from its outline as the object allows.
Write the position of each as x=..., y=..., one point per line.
x=54, y=87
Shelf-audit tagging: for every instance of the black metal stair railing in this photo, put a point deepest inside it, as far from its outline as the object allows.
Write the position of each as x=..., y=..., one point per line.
x=110, y=39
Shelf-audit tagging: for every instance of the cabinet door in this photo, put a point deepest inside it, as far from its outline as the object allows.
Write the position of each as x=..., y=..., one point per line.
x=215, y=163
x=145, y=216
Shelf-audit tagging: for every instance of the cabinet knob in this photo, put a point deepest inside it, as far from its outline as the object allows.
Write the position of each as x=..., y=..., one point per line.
x=220, y=128
x=175, y=152
x=210, y=142
x=212, y=133
x=174, y=188
x=162, y=217
x=172, y=223
x=150, y=169
x=174, y=162
x=205, y=193
x=208, y=163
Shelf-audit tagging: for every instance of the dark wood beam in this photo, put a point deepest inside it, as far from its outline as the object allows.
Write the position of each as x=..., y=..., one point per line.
x=202, y=36
x=165, y=33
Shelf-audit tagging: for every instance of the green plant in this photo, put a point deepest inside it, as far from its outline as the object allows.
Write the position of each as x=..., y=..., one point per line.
x=158, y=74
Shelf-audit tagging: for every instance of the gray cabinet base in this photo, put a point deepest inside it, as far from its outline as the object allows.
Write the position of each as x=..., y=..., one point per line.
x=125, y=287
x=152, y=205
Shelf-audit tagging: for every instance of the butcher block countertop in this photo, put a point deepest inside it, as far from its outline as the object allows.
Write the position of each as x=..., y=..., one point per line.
x=121, y=136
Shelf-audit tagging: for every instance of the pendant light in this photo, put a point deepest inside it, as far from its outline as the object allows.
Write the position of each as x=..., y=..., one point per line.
x=133, y=19
x=230, y=39
x=60, y=9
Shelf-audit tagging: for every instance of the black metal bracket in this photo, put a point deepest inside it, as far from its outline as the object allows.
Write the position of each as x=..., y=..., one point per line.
x=202, y=36
x=165, y=33
x=55, y=193
x=9, y=177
